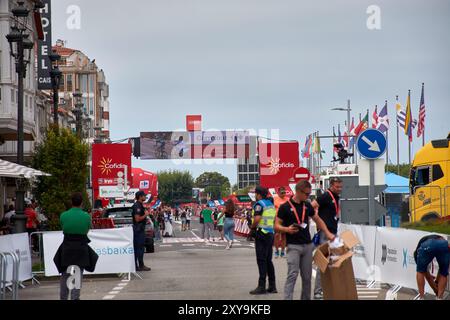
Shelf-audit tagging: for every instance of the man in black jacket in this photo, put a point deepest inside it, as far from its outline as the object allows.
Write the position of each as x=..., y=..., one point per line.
x=74, y=251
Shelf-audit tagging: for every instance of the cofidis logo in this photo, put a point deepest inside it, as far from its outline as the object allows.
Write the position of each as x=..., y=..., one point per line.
x=106, y=166
x=275, y=166
x=114, y=251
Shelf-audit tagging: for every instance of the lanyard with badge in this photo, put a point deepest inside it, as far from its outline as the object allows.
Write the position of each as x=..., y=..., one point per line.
x=302, y=224
x=336, y=205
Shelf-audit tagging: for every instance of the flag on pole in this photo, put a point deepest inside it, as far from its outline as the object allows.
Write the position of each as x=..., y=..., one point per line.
x=339, y=135
x=408, y=118
x=317, y=149
x=352, y=133
x=345, y=138
x=401, y=117
x=383, y=119
x=375, y=118
x=305, y=151
x=363, y=125
x=421, y=127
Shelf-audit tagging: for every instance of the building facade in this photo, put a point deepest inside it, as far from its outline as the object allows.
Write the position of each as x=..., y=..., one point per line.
x=248, y=169
x=81, y=73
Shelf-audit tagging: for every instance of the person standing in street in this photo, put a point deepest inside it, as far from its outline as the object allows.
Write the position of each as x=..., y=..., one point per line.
x=429, y=248
x=280, y=238
x=188, y=219
x=139, y=220
x=183, y=219
x=75, y=249
x=328, y=207
x=293, y=220
x=220, y=222
x=32, y=222
x=262, y=228
x=228, y=224
x=208, y=222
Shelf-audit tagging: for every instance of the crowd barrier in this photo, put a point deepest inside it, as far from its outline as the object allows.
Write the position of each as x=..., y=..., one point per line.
x=241, y=227
x=113, y=246
x=385, y=255
x=18, y=244
x=5, y=265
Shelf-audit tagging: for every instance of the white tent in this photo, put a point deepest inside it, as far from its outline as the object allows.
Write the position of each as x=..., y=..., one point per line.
x=13, y=170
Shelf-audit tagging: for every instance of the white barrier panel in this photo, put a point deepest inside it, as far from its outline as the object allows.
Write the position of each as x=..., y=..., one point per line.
x=394, y=256
x=11, y=243
x=364, y=253
x=113, y=246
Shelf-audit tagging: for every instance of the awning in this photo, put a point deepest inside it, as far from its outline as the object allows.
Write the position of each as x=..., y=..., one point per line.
x=13, y=170
x=396, y=184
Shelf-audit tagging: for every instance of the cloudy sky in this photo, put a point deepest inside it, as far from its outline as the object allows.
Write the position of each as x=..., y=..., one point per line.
x=262, y=64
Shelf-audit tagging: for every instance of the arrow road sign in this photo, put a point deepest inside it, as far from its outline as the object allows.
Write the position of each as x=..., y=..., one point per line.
x=371, y=144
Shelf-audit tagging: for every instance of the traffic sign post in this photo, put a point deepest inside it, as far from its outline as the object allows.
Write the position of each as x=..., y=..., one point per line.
x=371, y=144
x=301, y=174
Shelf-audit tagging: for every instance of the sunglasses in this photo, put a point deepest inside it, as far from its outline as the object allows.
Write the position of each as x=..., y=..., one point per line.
x=305, y=193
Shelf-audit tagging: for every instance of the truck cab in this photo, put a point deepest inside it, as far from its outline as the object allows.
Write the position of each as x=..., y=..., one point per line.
x=430, y=182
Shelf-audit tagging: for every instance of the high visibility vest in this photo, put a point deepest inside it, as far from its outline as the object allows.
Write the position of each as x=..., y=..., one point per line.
x=268, y=217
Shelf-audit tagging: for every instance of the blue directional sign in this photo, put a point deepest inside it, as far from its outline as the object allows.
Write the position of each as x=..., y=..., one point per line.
x=371, y=144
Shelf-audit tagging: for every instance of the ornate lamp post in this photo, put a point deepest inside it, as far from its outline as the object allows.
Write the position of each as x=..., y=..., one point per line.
x=20, y=48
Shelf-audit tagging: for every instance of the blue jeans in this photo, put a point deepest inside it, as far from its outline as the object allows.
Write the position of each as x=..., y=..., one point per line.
x=431, y=249
x=228, y=228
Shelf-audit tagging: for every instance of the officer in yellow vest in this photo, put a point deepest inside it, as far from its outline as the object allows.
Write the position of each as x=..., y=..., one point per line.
x=263, y=223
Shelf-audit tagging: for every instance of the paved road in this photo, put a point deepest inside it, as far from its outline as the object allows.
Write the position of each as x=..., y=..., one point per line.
x=184, y=267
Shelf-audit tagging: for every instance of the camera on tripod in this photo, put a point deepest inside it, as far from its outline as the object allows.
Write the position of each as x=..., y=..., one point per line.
x=342, y=153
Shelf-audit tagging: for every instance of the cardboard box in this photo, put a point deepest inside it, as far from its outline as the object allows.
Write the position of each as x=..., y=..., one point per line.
x=338, y=278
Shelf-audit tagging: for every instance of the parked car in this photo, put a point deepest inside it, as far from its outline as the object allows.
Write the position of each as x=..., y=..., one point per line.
x=121, y=214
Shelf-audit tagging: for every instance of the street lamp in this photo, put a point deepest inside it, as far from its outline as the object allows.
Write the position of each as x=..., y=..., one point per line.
x=348, y=116
x=20, y=49
x=78, y=111
x=55, y=75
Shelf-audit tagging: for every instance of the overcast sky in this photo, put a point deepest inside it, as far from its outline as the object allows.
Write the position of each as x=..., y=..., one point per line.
x=262, y=64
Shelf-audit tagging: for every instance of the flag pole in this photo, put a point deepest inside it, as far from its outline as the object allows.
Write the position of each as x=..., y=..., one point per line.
x=360, y=119
x=423, y=132
x=398, y=149
x=410, y=124
x=387, y=136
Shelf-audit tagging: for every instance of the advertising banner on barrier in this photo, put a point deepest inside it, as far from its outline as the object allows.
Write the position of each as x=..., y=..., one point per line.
x=113, y=246
x=363, y=258
x=394, y=256
x=11, y=243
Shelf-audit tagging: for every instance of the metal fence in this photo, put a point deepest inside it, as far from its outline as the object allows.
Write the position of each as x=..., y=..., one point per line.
x=4, y=283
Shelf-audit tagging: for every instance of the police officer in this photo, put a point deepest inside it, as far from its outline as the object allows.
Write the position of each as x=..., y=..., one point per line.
x=139, y=221
x=262, y=227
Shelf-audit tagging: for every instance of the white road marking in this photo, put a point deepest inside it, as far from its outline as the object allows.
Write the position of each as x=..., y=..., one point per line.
x=108, y=297
x=117, y=288
x=122, y=284
x=165, y=245
x=113, y=292
x=188, y=245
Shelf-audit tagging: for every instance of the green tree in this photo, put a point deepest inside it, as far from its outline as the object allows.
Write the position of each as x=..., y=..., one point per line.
x=175, y=186
x=214, y=183
x=65, y=157
x=404, y=169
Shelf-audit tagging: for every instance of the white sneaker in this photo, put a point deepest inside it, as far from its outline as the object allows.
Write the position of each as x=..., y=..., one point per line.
x=231, y=244
x=227, y=247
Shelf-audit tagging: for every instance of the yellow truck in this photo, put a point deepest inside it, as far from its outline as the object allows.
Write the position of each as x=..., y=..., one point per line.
x=430, y=182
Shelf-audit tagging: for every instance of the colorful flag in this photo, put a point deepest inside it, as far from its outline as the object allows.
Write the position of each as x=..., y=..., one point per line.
x=401, y=116
x=383, y=119
x=375, y=118
x=421, y=127
x=305, y=151
x=363, y=125
x=317, y=149
x=352, y=133
x=408, y=118
x=345, y=138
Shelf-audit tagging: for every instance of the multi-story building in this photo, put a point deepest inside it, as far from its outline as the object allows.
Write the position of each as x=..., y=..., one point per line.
x=80, y=73
x=248, y=169
x=34, y=105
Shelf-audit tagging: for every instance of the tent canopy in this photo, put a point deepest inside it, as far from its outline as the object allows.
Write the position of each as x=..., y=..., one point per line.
x=14, y=170
x=396, y=183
